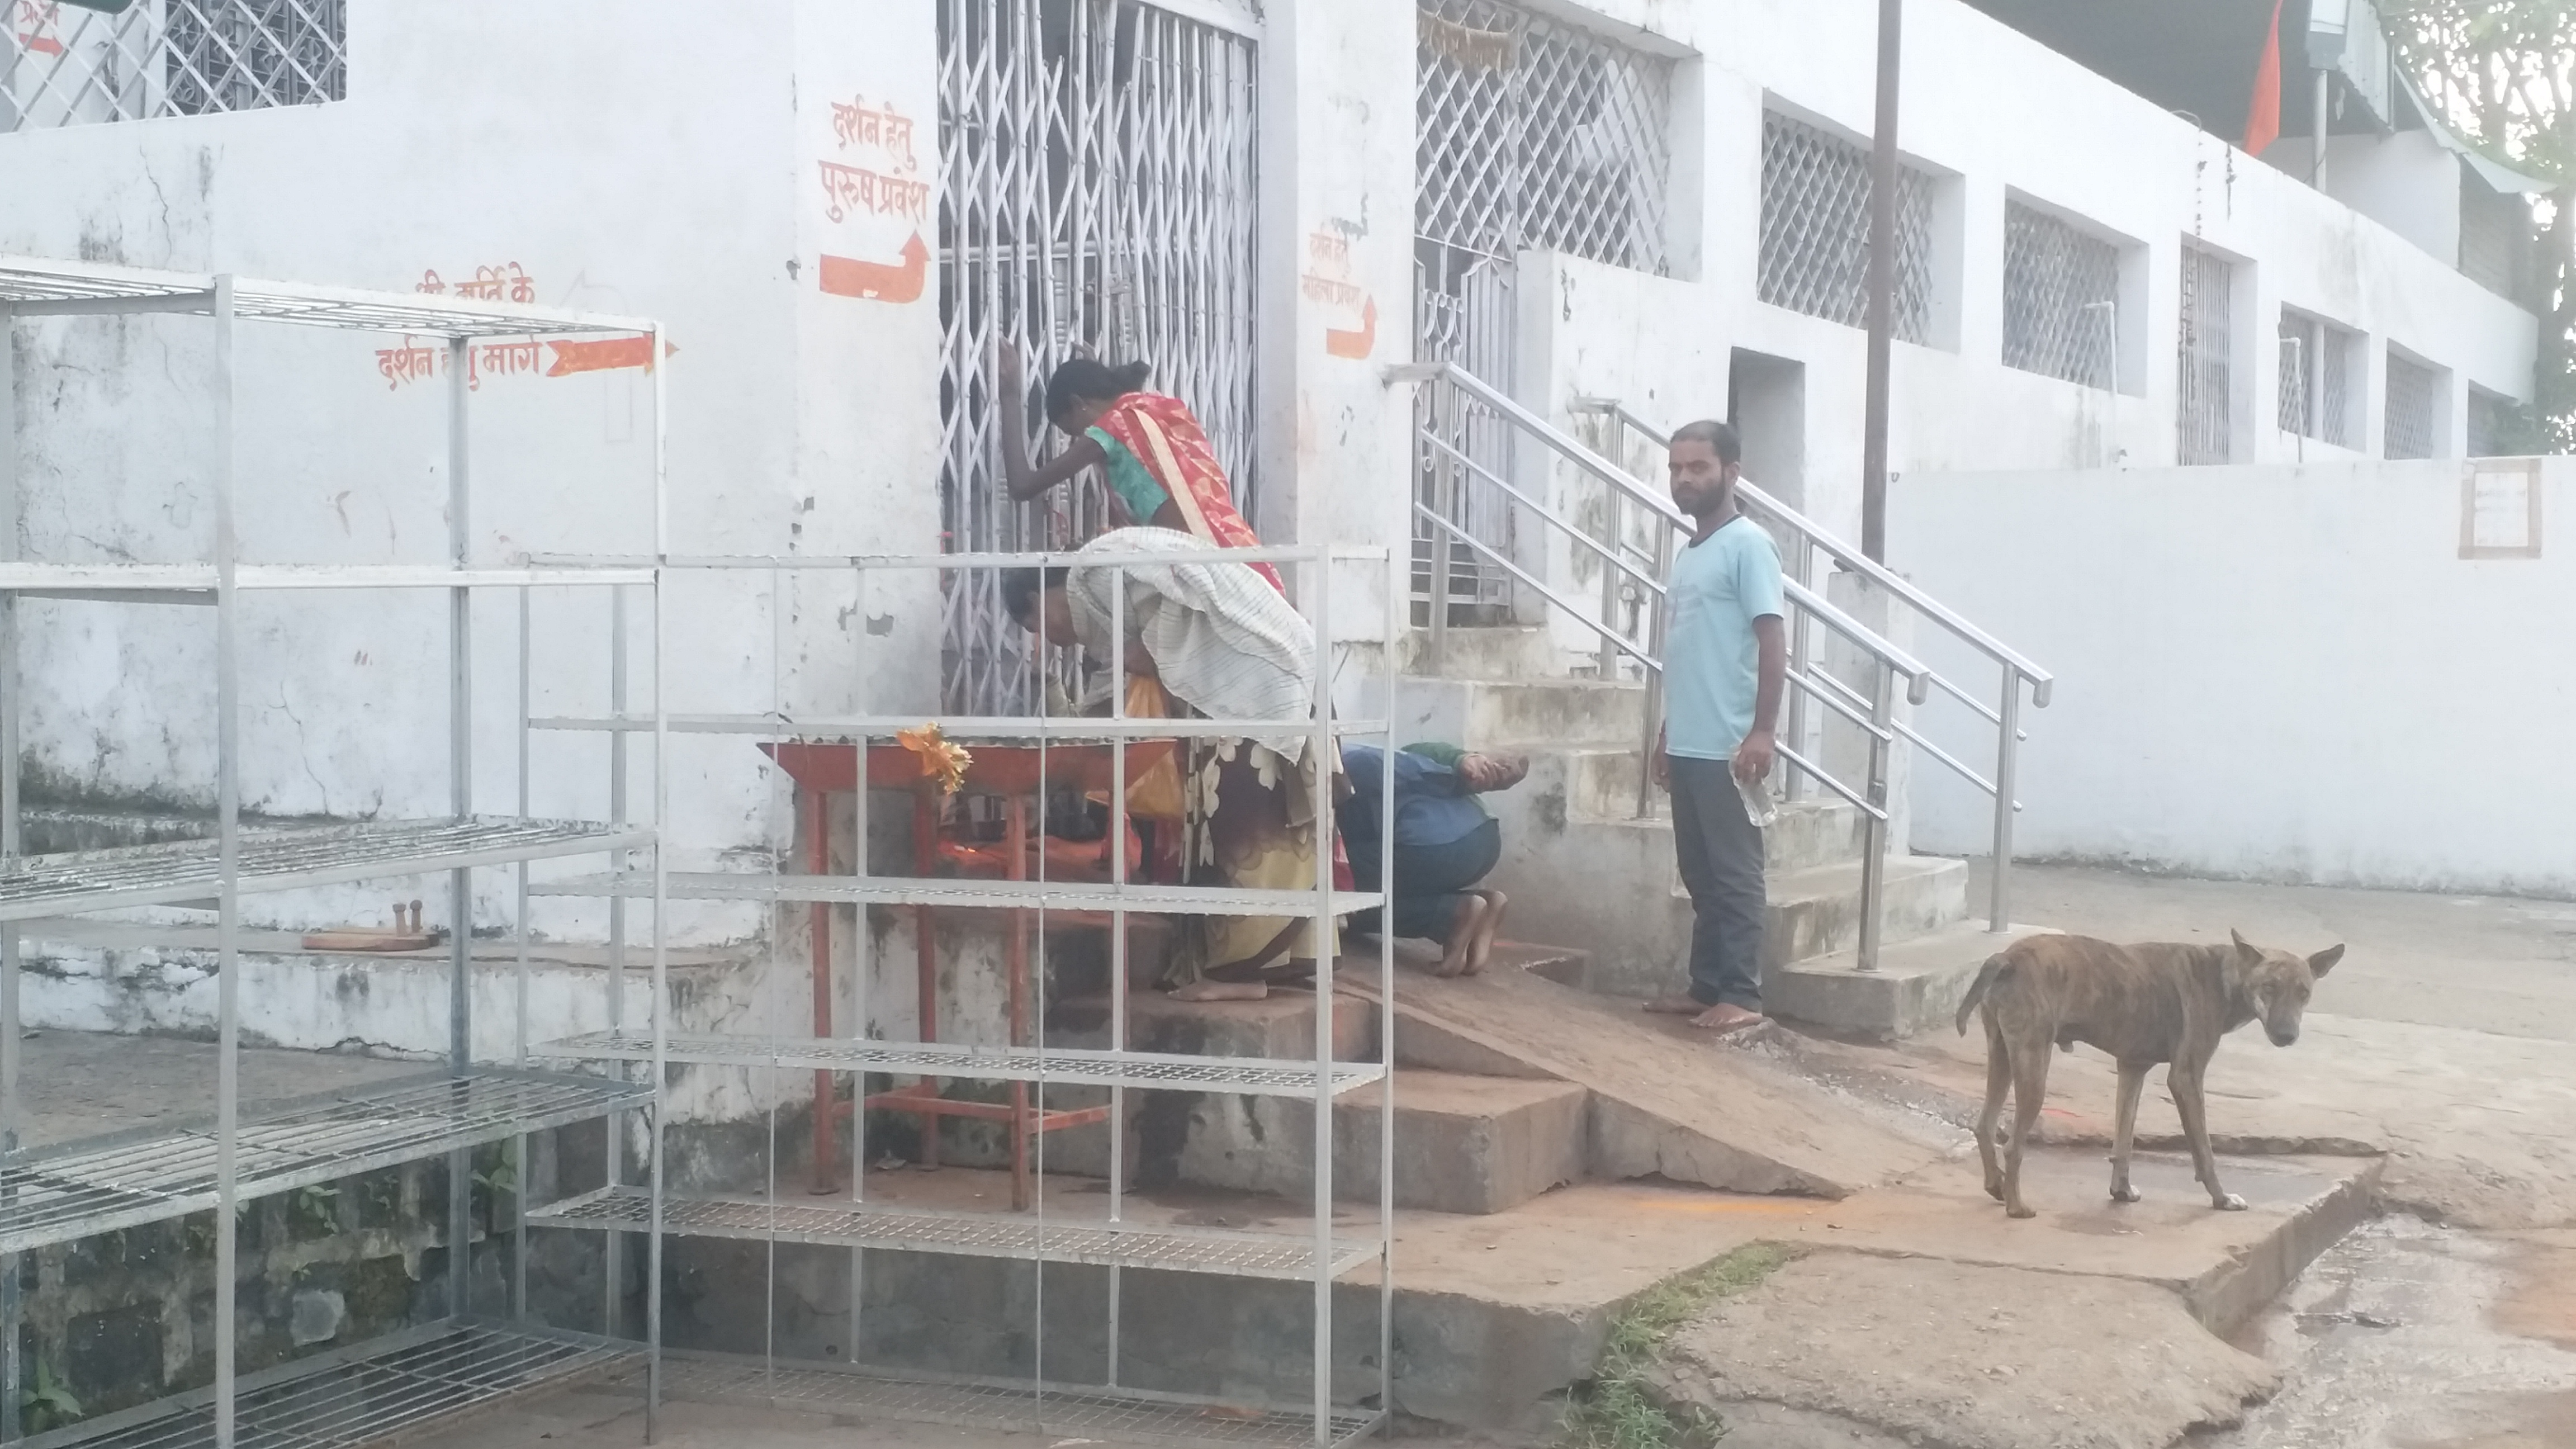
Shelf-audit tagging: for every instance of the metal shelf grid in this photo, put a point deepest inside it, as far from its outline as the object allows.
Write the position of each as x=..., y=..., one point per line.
x=1110, y=1416
x=82, y=1189
x=36, y=287
x=976, y=729
x=880, y=890
x=273, y=860
x=395, y=1387
x=1059, y=1066
x=969, y=1235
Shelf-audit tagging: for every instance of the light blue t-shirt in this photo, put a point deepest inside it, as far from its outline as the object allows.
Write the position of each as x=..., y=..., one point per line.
x=1719, y=586
x=1136, y=487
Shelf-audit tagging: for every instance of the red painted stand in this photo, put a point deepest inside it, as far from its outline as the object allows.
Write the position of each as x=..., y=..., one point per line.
x=1014, y=774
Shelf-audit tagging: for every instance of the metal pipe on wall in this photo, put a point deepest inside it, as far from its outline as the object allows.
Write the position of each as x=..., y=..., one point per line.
x=1882, y=284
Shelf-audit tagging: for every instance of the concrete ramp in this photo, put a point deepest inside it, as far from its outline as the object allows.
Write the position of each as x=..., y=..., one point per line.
x=1665, y=1101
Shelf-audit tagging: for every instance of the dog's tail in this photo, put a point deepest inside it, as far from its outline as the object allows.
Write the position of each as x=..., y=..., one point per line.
x=1995, y=969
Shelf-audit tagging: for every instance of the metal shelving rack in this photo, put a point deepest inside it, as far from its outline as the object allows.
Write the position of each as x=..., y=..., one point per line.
x=397, y=1384
x=851, y=1219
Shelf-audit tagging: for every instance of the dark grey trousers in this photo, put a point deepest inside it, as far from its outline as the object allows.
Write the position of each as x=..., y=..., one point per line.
x=1721, y=860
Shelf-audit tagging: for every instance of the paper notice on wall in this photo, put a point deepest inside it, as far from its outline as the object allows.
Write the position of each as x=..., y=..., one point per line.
x=2500, y=509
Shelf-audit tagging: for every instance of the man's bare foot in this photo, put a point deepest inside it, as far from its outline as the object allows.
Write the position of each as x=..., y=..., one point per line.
x=1481, y=954
x=1726, y=1016
x=1464, y=927
x=1676, y=1006
x=1206, y=990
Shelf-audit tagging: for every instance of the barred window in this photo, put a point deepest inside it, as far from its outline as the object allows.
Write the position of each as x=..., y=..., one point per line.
x=2316, y=381
x=1538, y=134
x=2495, y=429
x=61, y=65
x=2203, y=417
x=1815, y=230
x=2495, y=237
x=2061, y=299
x=2413, y=391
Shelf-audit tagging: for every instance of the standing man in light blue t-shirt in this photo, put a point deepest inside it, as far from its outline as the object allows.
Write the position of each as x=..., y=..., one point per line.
x=1725, y=660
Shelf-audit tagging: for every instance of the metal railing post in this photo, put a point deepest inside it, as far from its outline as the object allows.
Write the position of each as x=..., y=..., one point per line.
x=1444, y=496
x=1873, y=861
x=2007, y=756
x=1802, y=556
x=1655, y=623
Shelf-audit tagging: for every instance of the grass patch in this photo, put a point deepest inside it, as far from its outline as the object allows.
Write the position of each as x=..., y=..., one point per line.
x=1616, y=1410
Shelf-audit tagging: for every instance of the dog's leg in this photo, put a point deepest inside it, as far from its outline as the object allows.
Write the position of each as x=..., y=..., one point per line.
x=2030, y=1089
x=2133, y=1077
x=1998, y=1081
x=2185, y=1085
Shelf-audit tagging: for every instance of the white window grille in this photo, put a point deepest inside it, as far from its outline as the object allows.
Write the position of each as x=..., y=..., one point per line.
x=2203, y=418
x=63, y=65
x=2413, y=394
x=1530, y=134
x=2316, y=381
x=1815, y=230
x=2061, y=298
x=1096, y=192
x=2495, y=237
x=2493, y=427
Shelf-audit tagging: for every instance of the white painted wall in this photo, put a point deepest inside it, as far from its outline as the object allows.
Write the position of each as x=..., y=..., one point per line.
x=2000, y=115
x=2278, y=673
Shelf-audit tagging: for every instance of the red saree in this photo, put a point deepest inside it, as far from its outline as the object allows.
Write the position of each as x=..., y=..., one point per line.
x=1173, y=447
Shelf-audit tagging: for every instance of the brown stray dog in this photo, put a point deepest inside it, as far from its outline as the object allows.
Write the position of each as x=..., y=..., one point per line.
x=2148, y=1004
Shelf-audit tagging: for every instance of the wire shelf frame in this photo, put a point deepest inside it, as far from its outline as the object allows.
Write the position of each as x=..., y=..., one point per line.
x=1112, y=1416
x=395, y=1387
x=63, y=66
x=961, y=894
x=80, y=1189
x=276, y=860
x=34, y=286
x=2061, y=298
x=971, y=1235
x=1814, y=255
x=1058, y=1066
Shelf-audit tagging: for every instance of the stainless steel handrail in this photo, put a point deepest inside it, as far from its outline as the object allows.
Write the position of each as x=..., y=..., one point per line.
x=1853, y=560
x=2015, y=666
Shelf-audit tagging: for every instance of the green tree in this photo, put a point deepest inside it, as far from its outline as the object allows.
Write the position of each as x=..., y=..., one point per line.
x=2503, y=74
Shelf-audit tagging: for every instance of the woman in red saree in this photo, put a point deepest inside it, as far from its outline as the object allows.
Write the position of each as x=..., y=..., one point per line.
x=1158, y=459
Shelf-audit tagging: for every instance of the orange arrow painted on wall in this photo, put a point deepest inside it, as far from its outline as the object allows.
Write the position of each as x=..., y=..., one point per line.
x=1359, y=344
x=572, y=357
x=878, y=281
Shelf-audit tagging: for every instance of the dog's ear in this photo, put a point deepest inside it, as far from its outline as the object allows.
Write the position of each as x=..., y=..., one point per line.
x=2252, y=953
x=2323, y=962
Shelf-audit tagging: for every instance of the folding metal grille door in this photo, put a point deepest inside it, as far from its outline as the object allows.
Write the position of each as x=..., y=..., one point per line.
x=1531, y=134
x=1815, y=230
x=63, y=65
x=2411, y=408
x=1097, y=195
x=2061, y=298
x=2202, y=419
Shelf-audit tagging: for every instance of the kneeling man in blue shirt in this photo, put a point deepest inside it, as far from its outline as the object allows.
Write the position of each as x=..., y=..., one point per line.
x=1444, y=844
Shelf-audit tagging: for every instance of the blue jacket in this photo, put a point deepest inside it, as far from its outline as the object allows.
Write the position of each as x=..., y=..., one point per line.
x=1433, y=805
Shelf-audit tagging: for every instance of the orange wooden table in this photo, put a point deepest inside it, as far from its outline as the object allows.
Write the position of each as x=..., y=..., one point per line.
x=1014, y=774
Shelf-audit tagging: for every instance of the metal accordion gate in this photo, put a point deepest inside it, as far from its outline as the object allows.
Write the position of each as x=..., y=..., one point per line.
x=1097, y=197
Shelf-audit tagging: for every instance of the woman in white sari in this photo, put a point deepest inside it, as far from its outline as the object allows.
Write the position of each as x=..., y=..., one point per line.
x=1223, y=642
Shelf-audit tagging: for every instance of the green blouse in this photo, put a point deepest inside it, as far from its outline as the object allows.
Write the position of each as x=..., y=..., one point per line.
x=1135, y=486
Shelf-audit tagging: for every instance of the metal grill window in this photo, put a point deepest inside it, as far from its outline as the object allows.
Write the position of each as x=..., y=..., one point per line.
x=1096, y=192
x=2495, y=236
x=1815, y=230
x=61, y=65
x=2492, y=425
x=1539, y=135
x=2061, y=298
x=2203, y=420
x=2316, y=381
x=2412, y=390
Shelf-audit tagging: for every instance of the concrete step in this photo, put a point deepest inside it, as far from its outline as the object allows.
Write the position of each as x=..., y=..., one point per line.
x=1916, y=988
x=1517, y=651
x=1665, y=1101
x=1465, y=1144
x=1808, y=832
x=1523, y=714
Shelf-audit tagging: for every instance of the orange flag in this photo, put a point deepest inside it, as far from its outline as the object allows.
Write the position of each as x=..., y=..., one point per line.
x=2263, y=119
